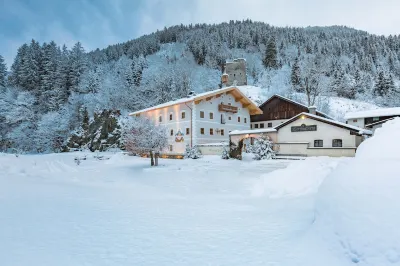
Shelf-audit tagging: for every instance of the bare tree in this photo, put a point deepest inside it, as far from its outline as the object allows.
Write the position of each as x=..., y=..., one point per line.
x=142, y=136
x=312, y=81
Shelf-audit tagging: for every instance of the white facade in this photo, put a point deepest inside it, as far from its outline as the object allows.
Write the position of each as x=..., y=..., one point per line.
x=310, y=135
x=198, y=120
x=233, y=121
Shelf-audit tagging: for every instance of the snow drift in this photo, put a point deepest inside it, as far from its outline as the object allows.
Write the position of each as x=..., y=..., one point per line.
x=358, y=204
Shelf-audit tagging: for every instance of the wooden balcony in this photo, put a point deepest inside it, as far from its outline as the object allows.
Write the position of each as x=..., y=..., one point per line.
x=227, y=108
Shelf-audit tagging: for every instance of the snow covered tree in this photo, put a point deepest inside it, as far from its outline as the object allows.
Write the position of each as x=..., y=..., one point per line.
x=3, y=73
x=263, y=148
x=142, y=136
x=78, y=65
x=295, y=76
x=271, y=55
x=192, y=153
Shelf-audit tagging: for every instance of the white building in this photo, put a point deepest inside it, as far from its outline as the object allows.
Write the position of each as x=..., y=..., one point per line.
x=308, y=134
x=372, y=119
x=202, y=119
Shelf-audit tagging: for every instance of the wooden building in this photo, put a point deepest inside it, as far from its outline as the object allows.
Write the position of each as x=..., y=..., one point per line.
x=277, y=110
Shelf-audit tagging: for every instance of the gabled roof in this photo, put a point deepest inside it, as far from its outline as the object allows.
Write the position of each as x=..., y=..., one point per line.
x=360, y=131
x=233, y=90
x=293, y=102
x=374, y=113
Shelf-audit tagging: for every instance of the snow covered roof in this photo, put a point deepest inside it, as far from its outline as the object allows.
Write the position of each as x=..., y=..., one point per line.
x=252, y=106
x=379, y=122
x=374, y=113
x=294, y=102
x=252, y=131
x=359, y=130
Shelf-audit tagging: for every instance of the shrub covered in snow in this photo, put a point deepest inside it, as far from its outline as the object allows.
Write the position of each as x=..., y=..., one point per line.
x=263, y=148
x=225, y=154
x=192, y=153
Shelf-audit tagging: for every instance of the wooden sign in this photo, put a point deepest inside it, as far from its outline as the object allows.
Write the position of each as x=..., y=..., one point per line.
x=303, y=128
x=227, y=108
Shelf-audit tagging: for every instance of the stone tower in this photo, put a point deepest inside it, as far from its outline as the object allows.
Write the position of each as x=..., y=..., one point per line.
x=234, y=73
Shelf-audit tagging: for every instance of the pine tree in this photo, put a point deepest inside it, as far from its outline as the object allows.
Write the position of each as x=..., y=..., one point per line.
x=295, y=75
x=16, y=77
x=3, y=73
x=380, y=85
x=263, y=148
x=270, y=57
x=78, y=65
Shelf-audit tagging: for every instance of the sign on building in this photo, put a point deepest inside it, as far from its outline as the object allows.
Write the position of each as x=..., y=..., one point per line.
x=304, y=127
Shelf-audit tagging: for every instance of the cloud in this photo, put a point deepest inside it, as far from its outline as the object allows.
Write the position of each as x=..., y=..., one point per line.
x=98, y=23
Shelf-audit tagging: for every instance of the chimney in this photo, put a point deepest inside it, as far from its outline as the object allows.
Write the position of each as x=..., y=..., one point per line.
x=312, y=110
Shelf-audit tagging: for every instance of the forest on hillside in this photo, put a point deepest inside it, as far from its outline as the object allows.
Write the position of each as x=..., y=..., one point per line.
x=51, y=93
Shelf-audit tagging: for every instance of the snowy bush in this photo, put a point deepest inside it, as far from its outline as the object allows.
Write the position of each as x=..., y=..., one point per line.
x=192, y=153
x=225, y=154
x=263, y=148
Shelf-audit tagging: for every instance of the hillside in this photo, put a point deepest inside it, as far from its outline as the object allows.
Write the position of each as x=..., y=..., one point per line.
x=51, y=90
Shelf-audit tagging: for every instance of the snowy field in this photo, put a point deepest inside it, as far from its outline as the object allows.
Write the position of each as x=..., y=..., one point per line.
x=319, y=211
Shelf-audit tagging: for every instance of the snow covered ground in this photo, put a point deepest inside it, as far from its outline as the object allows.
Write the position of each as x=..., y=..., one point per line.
x=318, y=211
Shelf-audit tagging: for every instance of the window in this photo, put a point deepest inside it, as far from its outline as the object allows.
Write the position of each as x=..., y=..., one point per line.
x=211, y=131
x=183, y=115
x=245, y=120
x=261, y=125
x=170, y=116
x=171, y=148
x=222, y=132
x=230, y=118
x=269, y=124
x=160, y=118
x=375, y=119
x=229, y=104
x=223, y=119
x=202, y=131
x=239, y=119
x=251, y=126
x=187, y=131
x=255, y=125
x=172, y=132
x=354, y=120
x=201, y=114
x=337, y=143
x=318, y=143
x=211, y=116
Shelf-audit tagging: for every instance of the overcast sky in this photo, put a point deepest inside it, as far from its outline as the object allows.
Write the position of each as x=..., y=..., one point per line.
x=98, y=23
